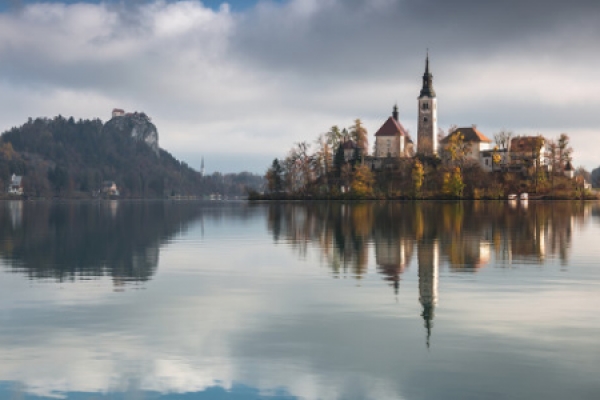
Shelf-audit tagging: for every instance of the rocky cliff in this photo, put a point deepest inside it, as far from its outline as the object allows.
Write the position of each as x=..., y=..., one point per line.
x=137, y=126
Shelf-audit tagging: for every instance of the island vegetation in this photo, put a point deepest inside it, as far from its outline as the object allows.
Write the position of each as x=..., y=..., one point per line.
x=323, y=170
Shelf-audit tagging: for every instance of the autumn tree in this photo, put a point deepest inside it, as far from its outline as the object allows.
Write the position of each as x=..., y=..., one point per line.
x=323, y=159
x=453, y=183
x=362, y=181
x=496, y=158
x=418, y=175
x=456, y=149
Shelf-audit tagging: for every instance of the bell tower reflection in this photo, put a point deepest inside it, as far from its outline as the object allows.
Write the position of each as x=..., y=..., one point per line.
x=428, y=257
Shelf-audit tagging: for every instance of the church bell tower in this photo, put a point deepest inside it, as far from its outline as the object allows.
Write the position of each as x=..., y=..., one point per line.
x=427, y=126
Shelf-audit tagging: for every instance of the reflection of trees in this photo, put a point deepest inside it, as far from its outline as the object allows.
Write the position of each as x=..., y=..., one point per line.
x=469, y=233
x=91, y=239
x=340, y=232
x=465, y=235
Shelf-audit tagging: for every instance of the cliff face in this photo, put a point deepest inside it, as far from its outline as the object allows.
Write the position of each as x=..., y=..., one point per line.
x=137, y=126
x=596, y=178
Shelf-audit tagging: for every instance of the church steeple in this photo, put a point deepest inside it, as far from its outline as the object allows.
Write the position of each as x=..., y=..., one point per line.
x=395, y=112
x=427, y=90
x=427, y=126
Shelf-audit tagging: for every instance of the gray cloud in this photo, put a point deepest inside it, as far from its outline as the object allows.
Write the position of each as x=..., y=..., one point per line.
x=258, y=80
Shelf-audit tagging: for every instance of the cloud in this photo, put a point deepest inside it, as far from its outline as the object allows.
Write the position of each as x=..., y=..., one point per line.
x=256, y=80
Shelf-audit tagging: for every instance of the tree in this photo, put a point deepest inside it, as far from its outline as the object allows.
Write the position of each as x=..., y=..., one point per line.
x=322, y=159
x=359, y=134
x=274, y=177
x=502, y=139
x=418, y=175
x=298, y=163
x=496, y=158
x=362, y=181
x=456, y=149
x=334, y=137
x=338, y=160
x=564, y=151
x=453, y=183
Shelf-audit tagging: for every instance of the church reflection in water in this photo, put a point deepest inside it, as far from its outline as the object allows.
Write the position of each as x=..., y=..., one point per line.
x=462, y=237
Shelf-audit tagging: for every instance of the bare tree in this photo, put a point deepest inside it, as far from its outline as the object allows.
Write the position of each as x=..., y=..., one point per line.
x=502, y=139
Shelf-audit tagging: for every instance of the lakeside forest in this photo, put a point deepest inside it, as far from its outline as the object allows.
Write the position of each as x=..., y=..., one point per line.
x=323, y=170
x=65, y=158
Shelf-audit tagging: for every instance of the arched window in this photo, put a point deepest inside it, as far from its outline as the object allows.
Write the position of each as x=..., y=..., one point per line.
x=425, y=119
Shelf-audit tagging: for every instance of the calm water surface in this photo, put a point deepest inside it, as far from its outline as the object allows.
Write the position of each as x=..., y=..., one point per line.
x=175, y=300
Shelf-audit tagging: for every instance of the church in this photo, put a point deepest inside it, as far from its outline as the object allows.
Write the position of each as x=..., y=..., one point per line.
x=392, y=141
x=394, y=144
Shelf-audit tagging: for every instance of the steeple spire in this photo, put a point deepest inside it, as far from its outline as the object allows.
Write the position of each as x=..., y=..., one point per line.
x=427, y=90
x=395, y=112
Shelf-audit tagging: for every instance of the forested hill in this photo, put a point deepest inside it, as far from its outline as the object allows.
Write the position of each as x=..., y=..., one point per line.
x=71, y=159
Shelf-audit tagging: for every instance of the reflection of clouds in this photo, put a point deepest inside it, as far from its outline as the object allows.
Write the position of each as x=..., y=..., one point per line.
x=555, y=317
x=232, y=307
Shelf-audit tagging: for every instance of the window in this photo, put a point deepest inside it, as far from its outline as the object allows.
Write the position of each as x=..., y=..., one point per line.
x=425, y=119
x=425, y=106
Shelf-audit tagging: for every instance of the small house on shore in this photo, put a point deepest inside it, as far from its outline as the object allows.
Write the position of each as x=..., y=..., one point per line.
x=16, y=185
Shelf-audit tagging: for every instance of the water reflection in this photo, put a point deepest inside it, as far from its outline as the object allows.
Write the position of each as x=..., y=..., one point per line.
x=228, y=314
x=467, y=234
x=67, y=241
x=462, y=235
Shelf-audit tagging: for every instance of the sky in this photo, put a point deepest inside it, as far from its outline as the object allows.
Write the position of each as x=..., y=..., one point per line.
x=239, y=83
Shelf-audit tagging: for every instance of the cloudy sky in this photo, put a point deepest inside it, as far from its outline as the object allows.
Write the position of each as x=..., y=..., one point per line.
x=238, y=83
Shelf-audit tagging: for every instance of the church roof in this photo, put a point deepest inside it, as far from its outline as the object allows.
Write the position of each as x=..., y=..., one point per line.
x=348, y=145
x=470, y=134
x=391, y=127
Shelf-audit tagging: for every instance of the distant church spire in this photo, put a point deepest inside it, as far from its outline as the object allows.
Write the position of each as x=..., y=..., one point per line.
x=202, y=167
x=395, y=112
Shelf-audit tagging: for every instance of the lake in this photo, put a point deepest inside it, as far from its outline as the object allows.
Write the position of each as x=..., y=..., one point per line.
x=215, y=300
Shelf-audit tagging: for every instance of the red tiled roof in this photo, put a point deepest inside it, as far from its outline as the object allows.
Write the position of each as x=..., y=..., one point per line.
x=391, y=127
x=523, y=143
x=470, y=134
